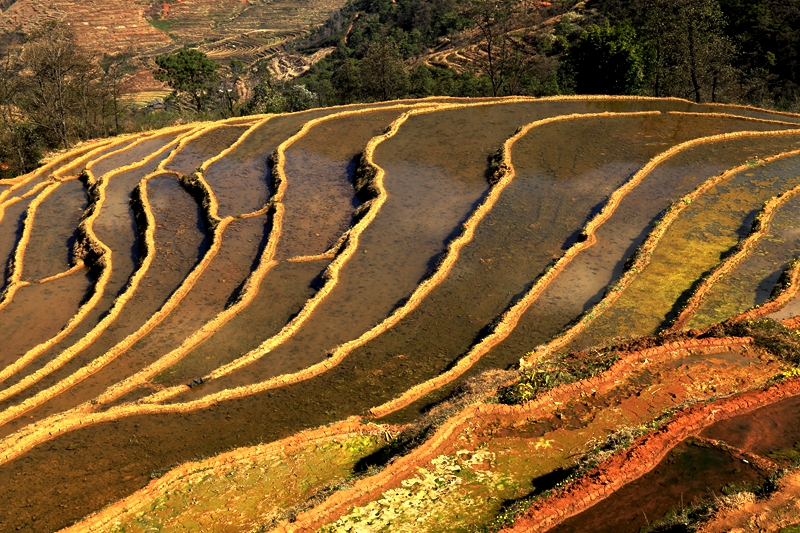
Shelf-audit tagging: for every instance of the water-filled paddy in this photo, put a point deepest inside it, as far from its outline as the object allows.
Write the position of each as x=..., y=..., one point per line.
x=129, y=154
x=213, y=291
x=180, y=242
x=10, y=231
x=436, y=176
x=115, y=227
x=240, y=180
x=72, y=166
x=49, y=251
x=754, y=279
x=770, y=431
x=694, y=244
x=696, y=471
x=431, y=189
x=319, y=199
x=584, y=281
x=46, y=306
x=513, y=245
x=319, y=202
x=200, y=149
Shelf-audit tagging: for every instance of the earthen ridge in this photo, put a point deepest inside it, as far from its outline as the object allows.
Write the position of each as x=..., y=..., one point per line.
x=100, y=362
x=341, y=352
x=79, y=266
x=43, y=430
x=646, y=454
x=482, y=415
x=511, y=317
x=62, y=422
x=23, y=180
x=782, y=295
x=93, y=209
x=742, y=249
x=219, y=225
x=728, y=115
x=49, y=186
x=751, y=108
x=57, y=175
x=352, y=426
x=76, y=417
x=142, y=203
x=643, y=254
x=254, y=281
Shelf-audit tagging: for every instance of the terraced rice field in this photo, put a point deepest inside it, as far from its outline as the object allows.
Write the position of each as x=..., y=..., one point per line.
x=434, y=315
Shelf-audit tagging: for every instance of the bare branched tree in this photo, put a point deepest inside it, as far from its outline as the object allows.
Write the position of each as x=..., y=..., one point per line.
x=60, y=94
x=494, y=18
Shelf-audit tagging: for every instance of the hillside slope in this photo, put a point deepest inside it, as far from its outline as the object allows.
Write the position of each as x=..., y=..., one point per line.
x=422, y=315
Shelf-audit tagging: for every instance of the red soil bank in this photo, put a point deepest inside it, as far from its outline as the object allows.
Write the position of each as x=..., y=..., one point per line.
x=645, y=455
x=482, y=415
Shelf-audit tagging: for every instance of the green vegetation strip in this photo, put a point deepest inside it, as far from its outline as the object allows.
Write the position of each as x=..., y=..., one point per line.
x=758, y=229
x=644, y=254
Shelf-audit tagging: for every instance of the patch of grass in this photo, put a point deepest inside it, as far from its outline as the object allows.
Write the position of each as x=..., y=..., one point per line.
x=787, y=455
x=561, y=370
x=769, y=334
x=160, y=24
x=681, y=520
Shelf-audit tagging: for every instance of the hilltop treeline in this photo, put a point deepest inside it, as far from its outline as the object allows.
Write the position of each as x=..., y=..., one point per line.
x=714, y=50
x=52, y=93
x=703, y=50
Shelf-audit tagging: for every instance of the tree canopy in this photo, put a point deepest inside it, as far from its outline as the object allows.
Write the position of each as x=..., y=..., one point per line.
x=607, y=60
x=189, y=72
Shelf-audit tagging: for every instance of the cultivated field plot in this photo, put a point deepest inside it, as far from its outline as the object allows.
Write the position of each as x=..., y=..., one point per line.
x=567, y=314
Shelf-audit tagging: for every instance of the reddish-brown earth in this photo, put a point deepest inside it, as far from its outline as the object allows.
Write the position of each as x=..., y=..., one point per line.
x=646, y=454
